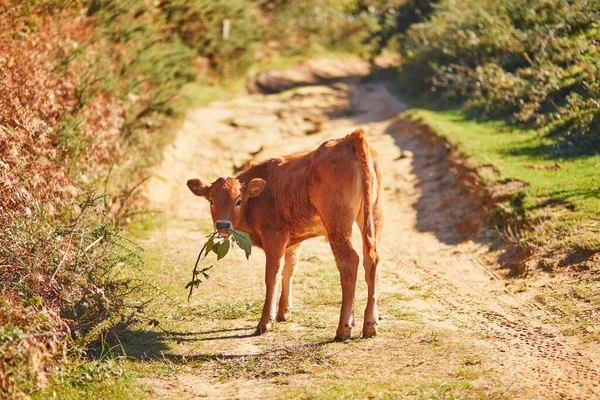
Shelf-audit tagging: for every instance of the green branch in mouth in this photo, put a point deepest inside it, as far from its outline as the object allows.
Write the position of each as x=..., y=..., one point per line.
x=220, y=245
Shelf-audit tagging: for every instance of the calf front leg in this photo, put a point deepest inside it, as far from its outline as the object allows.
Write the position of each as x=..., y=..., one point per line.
x=275, y=245
x=289, y=268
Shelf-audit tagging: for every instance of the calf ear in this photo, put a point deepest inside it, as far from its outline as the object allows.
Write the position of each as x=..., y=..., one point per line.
x=255, y=187
x=197, y=187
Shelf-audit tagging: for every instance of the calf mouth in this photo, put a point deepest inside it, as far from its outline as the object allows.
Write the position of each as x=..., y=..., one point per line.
x=224, y=233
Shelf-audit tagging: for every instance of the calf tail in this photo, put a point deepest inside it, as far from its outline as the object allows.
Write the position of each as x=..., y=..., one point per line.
x=361, y=147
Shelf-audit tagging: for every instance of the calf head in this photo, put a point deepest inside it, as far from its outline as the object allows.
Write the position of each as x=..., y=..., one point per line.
x=227, y=198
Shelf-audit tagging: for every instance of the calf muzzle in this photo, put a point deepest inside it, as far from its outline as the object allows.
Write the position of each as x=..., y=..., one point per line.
x=223, y=226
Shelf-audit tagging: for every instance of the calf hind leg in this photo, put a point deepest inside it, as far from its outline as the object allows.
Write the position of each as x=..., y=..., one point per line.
x=371, y=265
x=346, y=259
x=371, y=313
x=339, y=232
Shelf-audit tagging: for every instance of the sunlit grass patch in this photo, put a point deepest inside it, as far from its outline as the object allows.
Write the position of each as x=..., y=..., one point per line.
x=235, y=309
x=384, y=390
x=142, y=226
x=402, y=314
x=407, y=360
x=85, y=379
x=575, y=308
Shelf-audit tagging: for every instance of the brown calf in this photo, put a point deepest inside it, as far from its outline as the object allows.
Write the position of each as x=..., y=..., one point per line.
x=284, y=201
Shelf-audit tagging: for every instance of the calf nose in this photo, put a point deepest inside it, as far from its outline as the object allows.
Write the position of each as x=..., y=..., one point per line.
x=222, y=225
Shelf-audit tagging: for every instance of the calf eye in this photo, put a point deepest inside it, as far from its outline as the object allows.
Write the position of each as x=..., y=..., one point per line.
x=210, y=202
x=239, y=203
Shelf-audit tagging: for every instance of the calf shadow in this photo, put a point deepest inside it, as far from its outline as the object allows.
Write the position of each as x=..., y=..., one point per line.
x=140, y=345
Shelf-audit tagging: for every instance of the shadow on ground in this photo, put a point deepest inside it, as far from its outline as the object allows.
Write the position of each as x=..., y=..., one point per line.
x=318, y=72
x=140, y=344
x=144, y=345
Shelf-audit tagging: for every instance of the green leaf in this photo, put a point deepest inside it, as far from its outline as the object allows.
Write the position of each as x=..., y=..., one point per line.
x=194, y=282
x=243, y=241
x=209, y=246
x=215, y=247
x=222, y=250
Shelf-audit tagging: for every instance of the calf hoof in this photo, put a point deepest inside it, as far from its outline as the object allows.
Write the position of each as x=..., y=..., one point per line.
x=369, y=329
x=341, y=339
x=284, y=316
x=262, y=328
x=343, y=334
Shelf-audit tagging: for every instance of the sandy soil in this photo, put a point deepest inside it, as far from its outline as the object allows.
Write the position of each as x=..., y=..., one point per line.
x=432, y=235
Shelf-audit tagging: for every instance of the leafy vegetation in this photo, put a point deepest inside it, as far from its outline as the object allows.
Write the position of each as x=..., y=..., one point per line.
x=531, y=64
x=392, y=18
x=313, y=26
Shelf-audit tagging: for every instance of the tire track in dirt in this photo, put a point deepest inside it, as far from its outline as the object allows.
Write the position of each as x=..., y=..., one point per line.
x=426, y=241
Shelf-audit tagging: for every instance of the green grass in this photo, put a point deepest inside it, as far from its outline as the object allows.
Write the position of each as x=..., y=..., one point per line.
x=407, y=361
x=565, y=195
x=235, y=309
x=198, y=94
x=79, y=379
x=574, y=307
x=290, y=61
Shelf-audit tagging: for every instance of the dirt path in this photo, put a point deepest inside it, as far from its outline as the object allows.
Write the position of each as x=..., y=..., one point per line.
x=452, y=325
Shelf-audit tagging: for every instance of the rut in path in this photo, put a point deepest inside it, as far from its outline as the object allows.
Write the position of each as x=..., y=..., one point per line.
x=423, y=245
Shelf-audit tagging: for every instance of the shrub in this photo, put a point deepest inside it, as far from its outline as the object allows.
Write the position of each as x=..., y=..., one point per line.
x=304, y=27
x=200, y=24
x=496, y=91
x=532, y=63
x=62, y=284
x=76, y=100
x=391, y=19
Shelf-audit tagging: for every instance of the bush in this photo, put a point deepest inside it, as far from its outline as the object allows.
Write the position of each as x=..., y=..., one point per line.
x=496, y=91
x=81, y=95
x=62, y=284
x=199, y=24
x=304, y=27
x=391, y=19
x=532, y=63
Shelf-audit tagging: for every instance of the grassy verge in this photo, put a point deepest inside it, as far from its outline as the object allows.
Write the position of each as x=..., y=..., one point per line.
x=91, y=380
x=547, y=205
